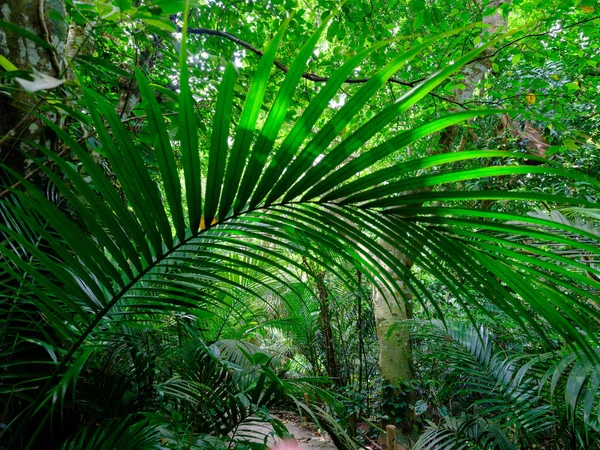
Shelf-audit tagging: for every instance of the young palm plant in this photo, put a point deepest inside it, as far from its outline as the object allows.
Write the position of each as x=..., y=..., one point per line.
x=513, y=399
x=139, y=249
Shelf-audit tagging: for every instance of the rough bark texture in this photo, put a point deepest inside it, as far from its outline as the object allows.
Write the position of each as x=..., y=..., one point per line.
x=395, y=355
x=40, y=18
x=477, y=71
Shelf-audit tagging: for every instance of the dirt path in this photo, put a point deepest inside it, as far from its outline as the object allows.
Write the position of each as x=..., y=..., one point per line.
x=308, y=439
x=306, y=436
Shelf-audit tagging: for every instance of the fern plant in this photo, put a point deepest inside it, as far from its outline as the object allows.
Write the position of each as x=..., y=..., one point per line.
x=510, y=400
x=147, y=250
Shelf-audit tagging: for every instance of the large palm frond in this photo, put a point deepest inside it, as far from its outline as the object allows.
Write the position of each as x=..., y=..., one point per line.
x=499, y=389
x=169, y=247
x=114, y=434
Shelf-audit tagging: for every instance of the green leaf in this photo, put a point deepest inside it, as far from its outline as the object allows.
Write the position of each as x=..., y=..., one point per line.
x=324, y=137
x=571, y=144
x=298, y=134
x=161, y=24
x=6, y=64
x=247, y=125
x=369, y=158
x=219, y=147
x=188, y=132
x=141, y=191
x=277, y=114
x=164, y=153
x=572, y=87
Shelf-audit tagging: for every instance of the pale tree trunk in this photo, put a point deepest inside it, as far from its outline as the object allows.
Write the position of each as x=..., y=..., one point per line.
x=45, y=19
x=79, y=43
x=474, y=73
x=130, y=91
x=391, y=308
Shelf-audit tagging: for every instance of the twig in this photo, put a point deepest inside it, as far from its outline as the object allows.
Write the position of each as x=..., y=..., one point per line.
x=308, y=75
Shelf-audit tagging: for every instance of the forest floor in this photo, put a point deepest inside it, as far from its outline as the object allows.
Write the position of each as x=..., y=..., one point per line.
x=306, y=435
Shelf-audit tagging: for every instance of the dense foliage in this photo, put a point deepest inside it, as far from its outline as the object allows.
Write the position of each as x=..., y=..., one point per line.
x=206, y=205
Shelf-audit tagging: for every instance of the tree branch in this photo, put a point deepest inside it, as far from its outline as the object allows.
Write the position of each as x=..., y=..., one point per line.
x=307, y=75
x=321, y=79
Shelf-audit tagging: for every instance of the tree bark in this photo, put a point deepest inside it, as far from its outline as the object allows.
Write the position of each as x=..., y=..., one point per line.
x=474, y=73
x=79, y=42
x=395, y=356
x=45, y=19
x=130, y=91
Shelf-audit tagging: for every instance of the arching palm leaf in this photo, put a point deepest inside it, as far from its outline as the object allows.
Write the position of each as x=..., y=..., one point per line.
x=505, y=395
x=145, y=256
x=117, y=433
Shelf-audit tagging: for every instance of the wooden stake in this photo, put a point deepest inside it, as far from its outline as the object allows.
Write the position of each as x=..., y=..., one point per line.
x=307, y=401
x=390, y=435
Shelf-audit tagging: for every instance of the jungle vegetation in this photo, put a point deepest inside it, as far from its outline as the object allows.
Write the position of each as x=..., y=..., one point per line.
x=367, y=212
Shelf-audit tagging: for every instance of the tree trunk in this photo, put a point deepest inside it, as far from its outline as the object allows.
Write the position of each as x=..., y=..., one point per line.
x=474, y=73
x=331, y=364
x=45, y=19
x=79, y=42
x=130, y=91
x=395, y=356
x=359, y=329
